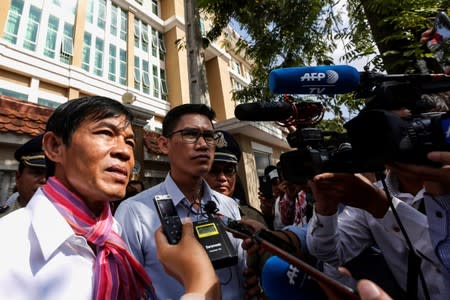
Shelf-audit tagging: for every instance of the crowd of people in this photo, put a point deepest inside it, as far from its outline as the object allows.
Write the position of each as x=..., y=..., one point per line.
x=64, y=239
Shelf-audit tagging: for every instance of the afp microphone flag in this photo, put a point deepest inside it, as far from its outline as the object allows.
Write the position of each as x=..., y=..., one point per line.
x=338, y=79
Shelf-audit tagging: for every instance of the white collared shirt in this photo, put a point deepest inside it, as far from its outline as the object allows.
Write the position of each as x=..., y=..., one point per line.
x=41, y=257
x=337, y=239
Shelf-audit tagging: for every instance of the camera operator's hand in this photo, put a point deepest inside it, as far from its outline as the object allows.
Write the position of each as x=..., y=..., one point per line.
x=437, y=180
x=355, y=190
x=188, y=262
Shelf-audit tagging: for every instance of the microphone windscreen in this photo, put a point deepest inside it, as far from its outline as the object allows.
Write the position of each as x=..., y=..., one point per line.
x=263, y=111
x=339, y=79
x=280, y=280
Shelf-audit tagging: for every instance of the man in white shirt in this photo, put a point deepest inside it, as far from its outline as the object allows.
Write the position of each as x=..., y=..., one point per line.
x=366, y=220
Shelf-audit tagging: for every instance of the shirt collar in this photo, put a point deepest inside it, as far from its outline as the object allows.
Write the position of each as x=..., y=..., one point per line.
x=50, y=227
x=176, y=194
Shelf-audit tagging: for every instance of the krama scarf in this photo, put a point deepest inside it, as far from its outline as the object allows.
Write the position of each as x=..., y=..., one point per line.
x=118, y=275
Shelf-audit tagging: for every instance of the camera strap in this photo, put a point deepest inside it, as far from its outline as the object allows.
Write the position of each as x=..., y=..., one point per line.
x=414, y=262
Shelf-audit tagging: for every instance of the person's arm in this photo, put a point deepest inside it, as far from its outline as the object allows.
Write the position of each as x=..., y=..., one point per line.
x=189, y=263
x=335, y=238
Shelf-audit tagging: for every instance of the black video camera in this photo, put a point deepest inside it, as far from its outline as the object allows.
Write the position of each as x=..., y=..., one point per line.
x=379, y=137
x=317, y=152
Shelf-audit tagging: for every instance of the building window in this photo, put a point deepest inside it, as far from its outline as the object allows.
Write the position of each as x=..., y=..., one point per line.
x=101, y=18
x=144, y=37
x=162, y=46
x=49, y=103
x=52, y=32
x=123, y=67
x=137, y=33
x=67, y=44
x=262, y=160
x=90, y=12
x=145, y=77
x=163, y=84
x=155, y=7
x=14, y=94
x=12, y=25
x=137, y=73
x=155, y=82
x=123, y=25
x=31, y=34
x=86, y=51
x=98, y=60
x=154, y=42
x=112, y=63
x=114, y=20
x=236, y=66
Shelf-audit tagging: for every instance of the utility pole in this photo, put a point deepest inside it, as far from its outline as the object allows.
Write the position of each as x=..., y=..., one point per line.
x=198, y=86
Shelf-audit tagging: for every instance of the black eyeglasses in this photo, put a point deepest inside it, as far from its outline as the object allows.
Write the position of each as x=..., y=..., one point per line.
x=228, y=171
x=191, y=135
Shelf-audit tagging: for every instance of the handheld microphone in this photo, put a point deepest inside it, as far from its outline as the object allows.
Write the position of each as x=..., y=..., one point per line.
x=281, y=280
x=339, y=79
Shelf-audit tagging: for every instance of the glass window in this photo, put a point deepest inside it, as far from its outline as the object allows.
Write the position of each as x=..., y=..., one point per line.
x=114, y=21
x=162, y=46
x=155, y=82
x=154, y=42
x=123, y=24
x=163, y=84
x=137, y=73
x=262, y=160
x=101, y=14
x=145, y=77
x=86, y=51
x=155, y=7
x=31, y=34
x=67, y=44
x=49, y=103
x=12, y=25
x=137, y=32
x=52, y=32
x=144, y=37
x=90, y=12
x=112, y=63
x=98, y=58
x=13, y=94
x=123, y=66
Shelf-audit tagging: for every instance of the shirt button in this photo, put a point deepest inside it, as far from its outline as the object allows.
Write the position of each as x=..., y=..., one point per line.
x=439, y=214
x=396, y=229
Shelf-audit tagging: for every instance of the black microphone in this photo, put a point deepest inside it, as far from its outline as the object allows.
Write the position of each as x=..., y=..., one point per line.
x=210, y=208
x=263, y=111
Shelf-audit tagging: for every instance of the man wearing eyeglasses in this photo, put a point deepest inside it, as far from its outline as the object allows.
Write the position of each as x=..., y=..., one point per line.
x=189, y=140
x=29, y=176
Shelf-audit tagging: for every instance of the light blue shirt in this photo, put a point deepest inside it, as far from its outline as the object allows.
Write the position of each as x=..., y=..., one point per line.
x=140, y=220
